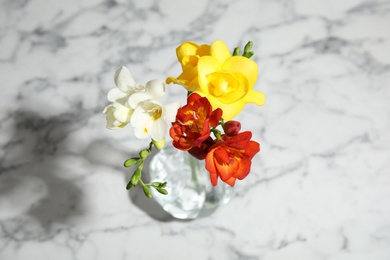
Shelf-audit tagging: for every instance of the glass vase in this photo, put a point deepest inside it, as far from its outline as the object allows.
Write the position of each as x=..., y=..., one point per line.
x=190, y=191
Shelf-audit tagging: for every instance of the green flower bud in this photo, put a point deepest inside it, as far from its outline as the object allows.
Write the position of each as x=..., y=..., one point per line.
x=248, y=54
x=130, y=162
x=147, y=191
x=236, y=51
x=155, y=184
x=162, y=191
x=248, y=46
x=144, y=153
x=136, y=176
x=247, y=50
x=129, y=186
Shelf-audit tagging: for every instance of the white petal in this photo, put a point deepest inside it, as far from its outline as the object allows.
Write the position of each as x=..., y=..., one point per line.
x=157, y=129
x=115, y=95
x=107, y=109
x=123, y=79
x=170, y=111
x=150, y=104
x=156, y=88
x=122, y=113
x=137, y=98
x=139, y=118
x=140, y=133
x=112, y=123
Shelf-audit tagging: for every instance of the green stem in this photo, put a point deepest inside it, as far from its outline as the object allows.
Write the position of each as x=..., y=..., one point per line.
x=194, y=176
x=216, y=133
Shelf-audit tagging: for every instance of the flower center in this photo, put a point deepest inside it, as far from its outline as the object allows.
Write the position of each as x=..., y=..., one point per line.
x=227, y=87
x=156, y=113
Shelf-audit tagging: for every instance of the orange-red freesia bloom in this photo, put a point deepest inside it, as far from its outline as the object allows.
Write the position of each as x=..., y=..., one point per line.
x=193, y=122
x=231, y=158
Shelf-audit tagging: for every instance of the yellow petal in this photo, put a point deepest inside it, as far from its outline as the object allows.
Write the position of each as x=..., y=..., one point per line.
x=229, y=110
x=203, y=50
x=245, y=66
x=232, y=110
x=174, y=80
x=227, y=87
x=206, y=65
x=255, y=96
x=185, y=49
x=189, y=74
x=220, y=51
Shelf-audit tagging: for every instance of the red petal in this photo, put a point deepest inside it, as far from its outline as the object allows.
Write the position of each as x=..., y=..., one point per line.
x=231, y=181
x=221, y=155
x=210, y=166
x=215, y=117
x=254, y=148
x=193, y=97
x=226, y=171
x=244, y=169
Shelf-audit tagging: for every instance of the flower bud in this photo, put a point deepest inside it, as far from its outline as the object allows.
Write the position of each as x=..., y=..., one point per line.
x=147, y=191
x=162, y=191
x=132, y=161
x=144, y=153
x=130, y=185
x=232, y=127
x=136, y=177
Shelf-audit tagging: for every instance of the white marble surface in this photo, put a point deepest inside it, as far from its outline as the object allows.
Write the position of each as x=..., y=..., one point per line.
x=318, y=190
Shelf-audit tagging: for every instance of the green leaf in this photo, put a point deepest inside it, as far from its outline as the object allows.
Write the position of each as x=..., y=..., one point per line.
x=130, y=162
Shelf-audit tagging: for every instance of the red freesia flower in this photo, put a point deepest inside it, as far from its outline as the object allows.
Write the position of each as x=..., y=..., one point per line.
x=193, y=122
x=231, y=158
x=200, y=152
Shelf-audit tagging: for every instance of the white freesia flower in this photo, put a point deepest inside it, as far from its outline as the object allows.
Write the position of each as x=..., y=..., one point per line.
x=138, y=105
x=118, y=113
x=151, y=119
x=154, y=89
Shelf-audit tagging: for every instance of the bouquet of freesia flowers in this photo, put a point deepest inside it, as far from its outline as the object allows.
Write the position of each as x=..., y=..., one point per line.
x=218, y=86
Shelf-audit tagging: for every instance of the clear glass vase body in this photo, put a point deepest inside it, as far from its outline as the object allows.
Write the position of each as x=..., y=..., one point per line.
x=188, y=184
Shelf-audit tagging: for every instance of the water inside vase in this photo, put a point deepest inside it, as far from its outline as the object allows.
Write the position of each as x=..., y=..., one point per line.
x=188, y=184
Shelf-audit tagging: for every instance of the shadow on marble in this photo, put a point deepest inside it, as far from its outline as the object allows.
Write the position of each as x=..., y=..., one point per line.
x=154, y=210
x=149, y=206
x=32, y=180
x=93, y=153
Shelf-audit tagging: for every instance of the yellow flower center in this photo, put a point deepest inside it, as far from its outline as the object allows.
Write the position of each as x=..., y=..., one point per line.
x=156, y=113
x=228, y=87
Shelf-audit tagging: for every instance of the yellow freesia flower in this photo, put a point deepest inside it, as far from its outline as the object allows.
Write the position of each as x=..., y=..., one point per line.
x=188, y=55
x=227, y=81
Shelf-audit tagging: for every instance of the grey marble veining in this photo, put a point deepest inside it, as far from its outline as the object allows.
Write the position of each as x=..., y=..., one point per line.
x=318, y=190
